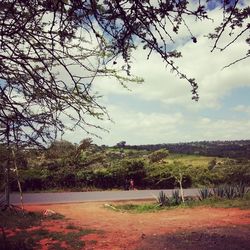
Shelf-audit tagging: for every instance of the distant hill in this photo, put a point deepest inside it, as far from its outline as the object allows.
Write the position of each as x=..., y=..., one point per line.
x=232, y=149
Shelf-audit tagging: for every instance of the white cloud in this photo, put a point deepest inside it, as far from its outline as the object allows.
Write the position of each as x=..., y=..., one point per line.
x=242, y=109
x=165, y=89
x=197, y=62
x=141, y=128
x=222, y=129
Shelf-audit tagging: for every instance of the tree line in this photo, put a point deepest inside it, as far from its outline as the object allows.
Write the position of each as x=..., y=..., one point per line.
x=87, y=166
x=232, y=149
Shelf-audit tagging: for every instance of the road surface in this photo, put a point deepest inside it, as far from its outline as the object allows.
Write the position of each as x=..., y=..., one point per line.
x=75, y=197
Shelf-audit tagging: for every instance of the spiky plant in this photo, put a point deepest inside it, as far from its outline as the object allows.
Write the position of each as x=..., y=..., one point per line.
x=162, y=199
x=241, y=189
x=176, y=198
x=230, y=191
x=204, y=193
x=219, y=191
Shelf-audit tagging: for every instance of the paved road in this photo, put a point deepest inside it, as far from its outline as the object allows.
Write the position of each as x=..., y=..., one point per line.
x=73, y=197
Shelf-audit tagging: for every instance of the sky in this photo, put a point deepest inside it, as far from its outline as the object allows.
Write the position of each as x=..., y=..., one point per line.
x=160, y=110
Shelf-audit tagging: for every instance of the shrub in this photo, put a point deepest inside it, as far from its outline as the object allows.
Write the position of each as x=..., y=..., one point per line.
x=241, y=190
x=230, y=191
x=158, y=155
x=162, y=199
x=176, y=198
x=219, y=191
x=204, y=193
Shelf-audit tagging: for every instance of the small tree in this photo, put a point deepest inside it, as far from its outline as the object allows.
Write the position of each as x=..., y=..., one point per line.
x=178, y=171
x=121, y=144
x=212, y=164
x=60, y=149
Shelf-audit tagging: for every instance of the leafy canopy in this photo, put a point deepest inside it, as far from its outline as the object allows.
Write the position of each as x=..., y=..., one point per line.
x=53, y=50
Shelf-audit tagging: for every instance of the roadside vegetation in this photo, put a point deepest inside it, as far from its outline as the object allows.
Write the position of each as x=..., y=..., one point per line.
x=226, y=196
x=86, y=166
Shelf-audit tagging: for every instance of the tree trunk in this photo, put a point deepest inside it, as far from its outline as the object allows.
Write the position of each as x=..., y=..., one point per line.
x=7, y=169
x=182, y=192
x=7, y=183
x=18, y=181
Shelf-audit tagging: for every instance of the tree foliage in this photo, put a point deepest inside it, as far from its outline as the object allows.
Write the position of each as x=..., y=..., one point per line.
x=96, y=168
x=60, y=149
x=158, y=155
x=79, y=39
x=39, y=39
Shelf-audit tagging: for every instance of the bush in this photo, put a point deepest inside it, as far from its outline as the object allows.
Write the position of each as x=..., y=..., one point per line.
x=231, y=191
x=204, y=193
x=162, y=199
x=158, y=155
x=241, y=190
x=176, y=198
x=219, y=191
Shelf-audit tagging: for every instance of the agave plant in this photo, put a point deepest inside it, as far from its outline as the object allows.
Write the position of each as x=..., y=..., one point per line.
x=176, y=198
x=241, y=190
x=162, y=199
x=219, y=191
x=204, y=193
x=230, y=191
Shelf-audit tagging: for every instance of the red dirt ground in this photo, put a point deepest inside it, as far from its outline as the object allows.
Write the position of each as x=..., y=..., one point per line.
x=194, y=228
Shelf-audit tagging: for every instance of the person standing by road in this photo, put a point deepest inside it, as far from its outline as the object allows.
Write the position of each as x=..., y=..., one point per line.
x=131, y=184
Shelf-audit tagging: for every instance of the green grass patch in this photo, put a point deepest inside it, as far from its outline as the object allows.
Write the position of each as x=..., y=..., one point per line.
x=139, y=208
x=243, y=203
x=194, y=160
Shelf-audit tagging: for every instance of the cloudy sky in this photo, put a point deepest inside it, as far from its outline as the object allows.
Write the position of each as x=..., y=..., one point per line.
x=160, y=110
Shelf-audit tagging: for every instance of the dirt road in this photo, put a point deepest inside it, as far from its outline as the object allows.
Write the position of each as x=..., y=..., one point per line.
x=196, y=228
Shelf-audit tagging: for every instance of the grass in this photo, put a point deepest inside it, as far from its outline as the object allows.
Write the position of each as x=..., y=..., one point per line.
x=243, y=203
x=194, y=160
x=11, y=219
x=71, y=226
x=72, y=239
x=30, y=240
x=226, y=203
x=139, y=208
x=23, y=238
